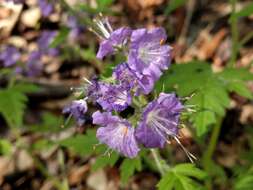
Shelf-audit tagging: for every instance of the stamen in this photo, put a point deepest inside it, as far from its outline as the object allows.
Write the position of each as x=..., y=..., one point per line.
x=188, y=97
x=190, y=156
x=107, y=152
x=162, y=128
x=156, y=117
x=96, y=33
x=66, y=121
x=108, y=25
x=160, y=133
x=96, y=145
x=85, y=79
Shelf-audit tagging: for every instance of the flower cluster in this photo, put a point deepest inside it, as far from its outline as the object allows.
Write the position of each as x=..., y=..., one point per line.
x=146, y=58
x=11, y=56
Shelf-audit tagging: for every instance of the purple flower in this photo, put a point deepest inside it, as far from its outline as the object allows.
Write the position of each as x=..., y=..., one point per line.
x=46, y=7
x=75, y=27
x=113, y=97
x=93, y=91
x=141, y=84
x=77, y=109
x=147, y=55
x=117, y=133
x=111, y=39
x=159, y=120
x=10, y=55
x=34, y=65
x=44, y=42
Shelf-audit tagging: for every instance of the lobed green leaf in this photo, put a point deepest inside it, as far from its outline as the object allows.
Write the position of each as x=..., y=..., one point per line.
x=128, y=167
x=181, y=177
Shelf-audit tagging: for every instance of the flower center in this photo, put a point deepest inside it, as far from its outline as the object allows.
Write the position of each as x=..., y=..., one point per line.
x=161, y=124
x=121, y=98
x=149, y=52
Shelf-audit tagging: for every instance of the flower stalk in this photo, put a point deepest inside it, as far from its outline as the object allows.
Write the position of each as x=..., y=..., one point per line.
x=157, y=159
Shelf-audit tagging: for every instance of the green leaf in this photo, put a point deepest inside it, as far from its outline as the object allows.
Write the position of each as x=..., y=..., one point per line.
x=50, y=123
x=185, y=78
x=25, y=87
x=12, y=106
x=246, y=11
x=240, y=88
x=181, y=177
x=190, y=170
x=60, y=37
x=173, y=5
x=231, y=74
x=244, y=181
x=105, y=160
x=103, y=7
x=104, y=3
x=42, y=144
x=81, y=144
x=5, y=147
x=202, y=120
x=235, y=81
x=128, y=167
x=215, y=171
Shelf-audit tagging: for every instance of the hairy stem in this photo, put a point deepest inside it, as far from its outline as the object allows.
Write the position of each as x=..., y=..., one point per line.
x=234, y=33
x=157, y=159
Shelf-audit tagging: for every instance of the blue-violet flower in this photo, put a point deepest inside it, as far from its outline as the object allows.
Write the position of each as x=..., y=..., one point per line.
x=46, y=7
x=128, y=79
x=117, y=133
x=113, y=97
x=111, y=39
x=160, y=119
x=147, y=54
x=10, y=55
x=77, y=109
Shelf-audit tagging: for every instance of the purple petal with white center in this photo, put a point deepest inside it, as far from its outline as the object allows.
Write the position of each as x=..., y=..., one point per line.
x=117, y=133
x=147, y=55
x=114, y=97
x=160, y=119
x=128, y=79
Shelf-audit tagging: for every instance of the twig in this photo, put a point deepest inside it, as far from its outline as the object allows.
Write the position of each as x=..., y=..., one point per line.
x=189, y=13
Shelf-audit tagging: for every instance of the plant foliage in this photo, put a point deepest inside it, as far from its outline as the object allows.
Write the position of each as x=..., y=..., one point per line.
x=181, y=177
x=209, y=90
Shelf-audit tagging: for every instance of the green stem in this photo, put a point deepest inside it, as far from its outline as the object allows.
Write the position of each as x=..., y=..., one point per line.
x=157, y=159
x=246, y=39
x=208, y=154
x=234, y=33
x=11, y=81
